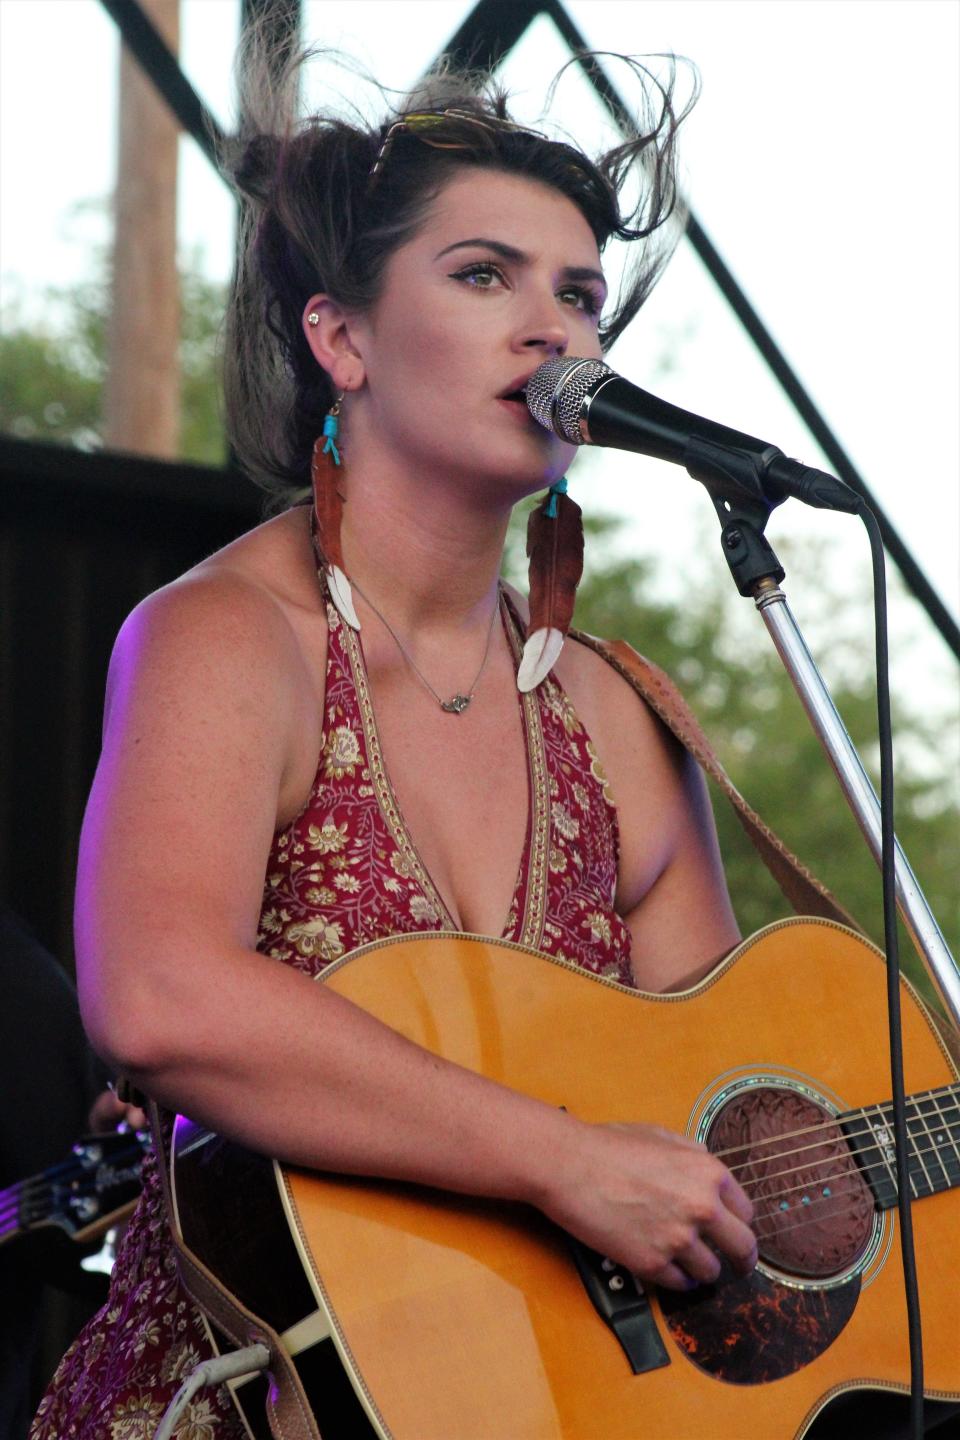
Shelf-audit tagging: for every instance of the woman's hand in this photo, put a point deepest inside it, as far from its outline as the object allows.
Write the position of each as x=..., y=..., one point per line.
x=109, y=1112
x=655, y=1202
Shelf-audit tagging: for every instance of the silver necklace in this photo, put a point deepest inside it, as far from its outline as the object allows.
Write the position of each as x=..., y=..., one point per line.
x=458, y=702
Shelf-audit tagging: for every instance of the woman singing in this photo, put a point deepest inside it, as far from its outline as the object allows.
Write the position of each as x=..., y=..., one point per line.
x=316, y=737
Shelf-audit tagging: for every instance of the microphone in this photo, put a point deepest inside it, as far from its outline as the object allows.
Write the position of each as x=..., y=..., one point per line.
x=587, y=403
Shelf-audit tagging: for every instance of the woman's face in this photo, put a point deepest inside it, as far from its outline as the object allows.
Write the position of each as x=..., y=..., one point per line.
x=503, y=274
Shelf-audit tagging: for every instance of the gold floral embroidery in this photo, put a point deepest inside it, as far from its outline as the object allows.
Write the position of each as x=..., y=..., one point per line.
x=599, y=926
x=347, y=883
x=318, y=937
x=565, y=823
x=199, y=1423
x=342, y=753
x=328, y=838
x=421, y=910
x=560, y=704
x=178, y=1363
x=598, y=772
x=269, y=922
x=558, y=861
x=136, y=1418
x=320, y=895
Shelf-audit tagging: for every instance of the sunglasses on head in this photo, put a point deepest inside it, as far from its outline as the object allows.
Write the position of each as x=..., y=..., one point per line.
x=425, y=123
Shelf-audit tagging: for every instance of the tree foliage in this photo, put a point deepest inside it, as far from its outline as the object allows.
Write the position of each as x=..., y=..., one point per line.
x=53, y=386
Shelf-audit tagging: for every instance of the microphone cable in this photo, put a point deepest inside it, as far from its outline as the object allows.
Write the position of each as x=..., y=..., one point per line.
x=892, y=951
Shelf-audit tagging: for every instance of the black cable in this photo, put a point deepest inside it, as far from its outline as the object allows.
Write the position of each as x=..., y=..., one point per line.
x=891, y=946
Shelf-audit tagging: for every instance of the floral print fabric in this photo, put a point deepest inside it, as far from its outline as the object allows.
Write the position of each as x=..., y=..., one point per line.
x=346, y=872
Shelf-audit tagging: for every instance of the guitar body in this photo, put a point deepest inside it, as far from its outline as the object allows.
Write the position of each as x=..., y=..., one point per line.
x=458, y=1319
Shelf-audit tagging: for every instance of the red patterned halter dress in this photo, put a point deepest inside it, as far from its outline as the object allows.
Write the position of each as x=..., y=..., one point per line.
x=346, y=872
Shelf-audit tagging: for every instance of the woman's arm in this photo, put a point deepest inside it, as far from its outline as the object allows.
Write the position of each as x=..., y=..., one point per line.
x=207, y=696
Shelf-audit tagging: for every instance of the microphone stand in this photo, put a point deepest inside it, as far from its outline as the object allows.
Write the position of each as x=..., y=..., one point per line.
x=757, y=573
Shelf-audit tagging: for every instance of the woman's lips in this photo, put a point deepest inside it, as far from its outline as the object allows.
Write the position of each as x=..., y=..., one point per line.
x=516, y=404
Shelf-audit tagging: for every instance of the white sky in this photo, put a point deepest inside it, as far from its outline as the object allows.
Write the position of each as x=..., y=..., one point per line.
x=822, y=160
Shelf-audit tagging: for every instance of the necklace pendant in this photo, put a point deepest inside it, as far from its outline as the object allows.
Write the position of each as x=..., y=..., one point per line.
x=456, y=705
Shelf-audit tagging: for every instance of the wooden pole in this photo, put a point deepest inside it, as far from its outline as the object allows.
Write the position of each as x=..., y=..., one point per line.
x=142, y=392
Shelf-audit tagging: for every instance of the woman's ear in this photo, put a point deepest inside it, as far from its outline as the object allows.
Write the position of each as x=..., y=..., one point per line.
x=327, y=329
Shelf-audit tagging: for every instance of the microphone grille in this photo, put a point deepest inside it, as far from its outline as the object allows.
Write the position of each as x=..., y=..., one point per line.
x=555, y=393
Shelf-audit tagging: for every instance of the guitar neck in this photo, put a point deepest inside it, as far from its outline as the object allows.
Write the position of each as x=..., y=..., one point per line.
x=81, y=1195
x=933, y=1131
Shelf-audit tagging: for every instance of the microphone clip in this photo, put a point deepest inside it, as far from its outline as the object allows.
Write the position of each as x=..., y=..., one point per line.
x=734, y=481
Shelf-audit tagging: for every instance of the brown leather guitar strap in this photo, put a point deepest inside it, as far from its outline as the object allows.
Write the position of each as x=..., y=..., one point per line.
x=802, y=889
x=288, y=1411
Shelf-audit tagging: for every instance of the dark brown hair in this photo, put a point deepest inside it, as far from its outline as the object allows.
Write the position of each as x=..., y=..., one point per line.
x=314, y=219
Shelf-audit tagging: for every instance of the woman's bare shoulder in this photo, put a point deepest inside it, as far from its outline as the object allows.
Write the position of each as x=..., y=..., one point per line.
x=227, y=661
x=257, y=591
x=249, y=618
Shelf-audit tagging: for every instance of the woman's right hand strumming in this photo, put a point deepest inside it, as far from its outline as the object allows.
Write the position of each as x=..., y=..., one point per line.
x=655, y=1202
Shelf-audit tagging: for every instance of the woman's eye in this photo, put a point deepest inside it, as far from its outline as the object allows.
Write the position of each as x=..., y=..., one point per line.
x=481, y=276
x=583, y=299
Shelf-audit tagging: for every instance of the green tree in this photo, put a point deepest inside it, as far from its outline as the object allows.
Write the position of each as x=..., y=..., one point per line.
x=53, y=387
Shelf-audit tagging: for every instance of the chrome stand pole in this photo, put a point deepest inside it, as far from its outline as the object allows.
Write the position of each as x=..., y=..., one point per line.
x=855, y=783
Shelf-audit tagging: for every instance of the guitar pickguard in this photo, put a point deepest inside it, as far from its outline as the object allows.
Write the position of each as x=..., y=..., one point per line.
x=749, y=1329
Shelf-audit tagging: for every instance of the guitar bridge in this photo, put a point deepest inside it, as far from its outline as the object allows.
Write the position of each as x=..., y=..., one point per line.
x=621, y=1304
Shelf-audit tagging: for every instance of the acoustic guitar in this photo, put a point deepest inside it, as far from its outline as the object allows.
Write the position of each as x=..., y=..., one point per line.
x=422, y=1315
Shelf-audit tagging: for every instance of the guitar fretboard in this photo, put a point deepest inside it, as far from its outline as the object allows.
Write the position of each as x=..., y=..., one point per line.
x=933, y=1128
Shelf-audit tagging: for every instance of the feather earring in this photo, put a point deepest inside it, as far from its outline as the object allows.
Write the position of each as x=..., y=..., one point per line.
x=555, y=551
x=326, y=472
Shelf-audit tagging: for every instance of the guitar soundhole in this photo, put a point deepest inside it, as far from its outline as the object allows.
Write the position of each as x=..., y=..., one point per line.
x=813, y=1211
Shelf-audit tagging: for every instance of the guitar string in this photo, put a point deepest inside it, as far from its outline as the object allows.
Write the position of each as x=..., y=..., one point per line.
x=803, y=1220
x=805, y=1217
x=938, y=1147
x=943, y=1122
x=944, y=1125
x=811, y=1183
x=953, y=1091
x=842, y=1174
x=778, y=1195
x=888, y=1165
